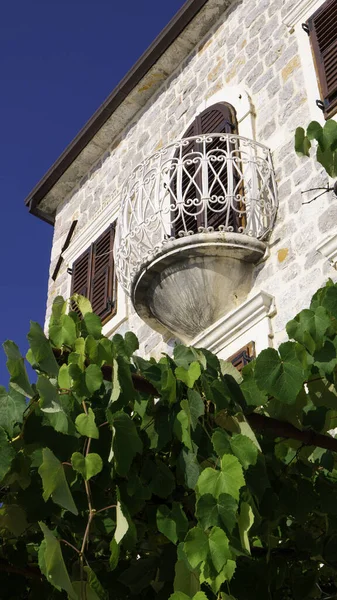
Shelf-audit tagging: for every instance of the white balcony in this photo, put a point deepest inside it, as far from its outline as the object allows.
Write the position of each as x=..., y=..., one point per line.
x=195, y=214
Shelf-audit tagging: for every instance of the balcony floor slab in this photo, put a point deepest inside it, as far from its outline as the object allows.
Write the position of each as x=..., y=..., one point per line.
x=194, y=280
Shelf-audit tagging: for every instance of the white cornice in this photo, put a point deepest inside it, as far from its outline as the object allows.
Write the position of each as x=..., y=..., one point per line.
x=329, y=249
x=299, y=11
x=237, y=322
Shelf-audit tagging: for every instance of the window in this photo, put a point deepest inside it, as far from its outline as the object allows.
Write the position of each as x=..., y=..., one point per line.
x=243, y=356
x=93, y=275
x=322, y=30
x=205, y=185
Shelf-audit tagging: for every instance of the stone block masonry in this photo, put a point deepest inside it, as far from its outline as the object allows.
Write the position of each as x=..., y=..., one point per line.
x=250, y=48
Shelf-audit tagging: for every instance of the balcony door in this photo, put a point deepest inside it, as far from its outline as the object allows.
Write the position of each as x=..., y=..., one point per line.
x=205, y=179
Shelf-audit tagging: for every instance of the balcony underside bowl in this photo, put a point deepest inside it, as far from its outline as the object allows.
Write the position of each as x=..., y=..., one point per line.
x=193, y=281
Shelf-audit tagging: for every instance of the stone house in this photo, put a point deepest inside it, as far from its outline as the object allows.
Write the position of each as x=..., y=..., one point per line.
x=185, y=184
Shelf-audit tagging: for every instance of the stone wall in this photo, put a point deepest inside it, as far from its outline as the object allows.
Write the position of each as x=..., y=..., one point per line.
x=250, y=47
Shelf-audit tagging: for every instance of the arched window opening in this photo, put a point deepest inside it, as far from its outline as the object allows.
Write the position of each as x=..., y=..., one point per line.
x=206, y=177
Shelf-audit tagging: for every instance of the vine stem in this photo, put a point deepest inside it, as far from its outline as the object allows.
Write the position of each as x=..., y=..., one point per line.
x=92, y=512
x=106, y=508
x=30, y=408
x=86, y=533
x=205, y=430
x=71, y=546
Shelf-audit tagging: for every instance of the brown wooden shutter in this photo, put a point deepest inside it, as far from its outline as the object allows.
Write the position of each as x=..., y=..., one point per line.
x=243, y=356
x=93, y=276
x=80, y=282
x=81, y=274
x=102, y=275
x=323, y=38
x=219, y=118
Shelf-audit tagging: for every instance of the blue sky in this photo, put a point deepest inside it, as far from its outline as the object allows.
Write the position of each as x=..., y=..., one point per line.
x=59, y=60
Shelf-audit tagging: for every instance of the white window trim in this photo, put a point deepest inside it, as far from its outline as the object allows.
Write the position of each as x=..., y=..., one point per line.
x=328, y=248
x=251, y=321
x=299, y=14
x=238, y=97
x=87, y=236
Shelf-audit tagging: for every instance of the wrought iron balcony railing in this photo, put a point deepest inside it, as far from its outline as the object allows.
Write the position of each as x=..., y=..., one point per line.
x=200, y=184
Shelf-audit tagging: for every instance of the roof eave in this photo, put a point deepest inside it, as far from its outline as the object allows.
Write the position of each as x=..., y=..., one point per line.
x=162, y=42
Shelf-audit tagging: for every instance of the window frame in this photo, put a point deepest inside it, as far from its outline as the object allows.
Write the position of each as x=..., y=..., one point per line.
x=329, y=104
x=294, y=20
x=228, y=125
x=243, y=357
x=84, y=237
x=110, y=294
x=251, y=320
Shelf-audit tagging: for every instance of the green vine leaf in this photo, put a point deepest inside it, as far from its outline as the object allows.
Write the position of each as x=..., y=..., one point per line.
x=221, y=442
x=172, y=523
x=184, y=356
x=126, y=442
x=49, y=397
x=116, y=388
x=196, y=407
x=95, y=584
x=190, y=467
x=196, y=547
x=245, y=522
x=168, y=385
x=218, y=548
x=52, y=564
x=221, y=511
x=14, y=519
x=162, y=480
x=85, y=424
x=54, y=481
x=244, y=449
x=82, y=303
x=252, y=393
x=92, y=325
x=309, y=327
x=131, y=343
x=88, y=466
x=114, y=554
x=12, y=407
x=189, y=376
x=186, y=579
x=228, y=480
x=93, y=378
x=7, y=454
x=80, y=587
x=62, y=330
x=282, y=373
x=122, y=524
x=211, y=547
x=42, y=350
x=302, y=142
x=64, y=379
x=16, y=367
x=182, y=425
